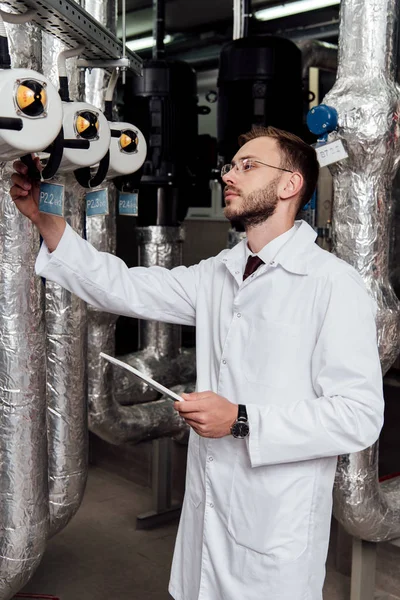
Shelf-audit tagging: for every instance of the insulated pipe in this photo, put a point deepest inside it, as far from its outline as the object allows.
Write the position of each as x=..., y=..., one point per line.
x=160, y=355
x=318, y=54
x=158, y=29
x=367, y=100
x=66, y=327
x=66, y=388
x=23, y=447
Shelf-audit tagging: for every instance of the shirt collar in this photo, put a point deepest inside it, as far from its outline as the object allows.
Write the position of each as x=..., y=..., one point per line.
x=292, y=256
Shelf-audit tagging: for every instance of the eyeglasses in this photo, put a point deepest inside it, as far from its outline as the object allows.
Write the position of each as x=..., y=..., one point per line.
x=247, y=164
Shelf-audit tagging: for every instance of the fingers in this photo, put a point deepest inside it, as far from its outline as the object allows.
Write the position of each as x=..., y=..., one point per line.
x=21, y=181
x=17, y=192
x=197, y=395
x=20, y=167
x=183, y=407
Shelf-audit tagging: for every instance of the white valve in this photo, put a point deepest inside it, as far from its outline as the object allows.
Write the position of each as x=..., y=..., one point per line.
x=83, y=122
x=128, y=149
x=30, y=113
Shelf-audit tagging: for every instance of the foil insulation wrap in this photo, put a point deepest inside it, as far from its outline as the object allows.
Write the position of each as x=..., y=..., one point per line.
x=67, y=428
x=23, y=444
x=367, y=100
x=110, y=387
x=96, y=80
x=51, y=48
x=160, y=355
x=101, y=233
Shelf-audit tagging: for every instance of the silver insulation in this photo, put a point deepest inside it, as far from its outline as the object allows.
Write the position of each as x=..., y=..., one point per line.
x=96, y=80
x=160, y=355
x=107, y=418
x=367, y=100
x=110, y=386
x=23, y=444
x=66, y=387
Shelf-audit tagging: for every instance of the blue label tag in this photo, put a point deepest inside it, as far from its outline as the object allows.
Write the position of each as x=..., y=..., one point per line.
x=97, y=203
x=51, y=198
x=128, y=204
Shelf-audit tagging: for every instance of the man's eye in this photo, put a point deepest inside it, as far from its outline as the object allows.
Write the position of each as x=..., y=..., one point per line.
x=247, y=166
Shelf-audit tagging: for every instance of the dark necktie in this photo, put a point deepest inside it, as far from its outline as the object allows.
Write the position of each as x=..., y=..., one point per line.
x=253, y=262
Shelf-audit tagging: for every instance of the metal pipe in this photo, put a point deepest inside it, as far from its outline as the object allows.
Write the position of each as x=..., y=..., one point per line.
x=158, y=29
x=367, y=100
x=241, y=17
x=23, y=445
x=318, y=54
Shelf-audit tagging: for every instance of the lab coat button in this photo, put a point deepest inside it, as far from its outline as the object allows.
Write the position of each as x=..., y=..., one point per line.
x=211, y=505
x=224, y=362
x=210, y=459
x=238, y=315
x=272, y=263
x=237, y=272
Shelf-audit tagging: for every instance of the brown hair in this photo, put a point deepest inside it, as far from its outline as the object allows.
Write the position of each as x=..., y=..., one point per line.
x=296, y=156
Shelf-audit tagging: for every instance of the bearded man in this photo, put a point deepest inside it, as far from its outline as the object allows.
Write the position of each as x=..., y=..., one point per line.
x=288, y=373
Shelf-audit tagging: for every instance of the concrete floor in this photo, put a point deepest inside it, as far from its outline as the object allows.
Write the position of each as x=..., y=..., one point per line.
x=101, y=556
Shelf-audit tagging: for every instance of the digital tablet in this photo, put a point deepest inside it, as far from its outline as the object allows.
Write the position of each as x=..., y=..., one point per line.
x=154, y=384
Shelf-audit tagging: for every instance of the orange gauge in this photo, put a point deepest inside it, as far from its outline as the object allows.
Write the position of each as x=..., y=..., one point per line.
x=128, y=141
x=31, y=98
x=87, y=124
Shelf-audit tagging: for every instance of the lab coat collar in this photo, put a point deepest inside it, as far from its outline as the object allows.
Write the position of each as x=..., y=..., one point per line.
x=293, y=256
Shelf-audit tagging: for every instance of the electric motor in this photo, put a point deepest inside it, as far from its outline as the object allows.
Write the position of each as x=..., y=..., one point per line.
x=259, y=83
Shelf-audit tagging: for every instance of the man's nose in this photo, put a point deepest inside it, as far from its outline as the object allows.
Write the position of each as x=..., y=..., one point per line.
x=230, y=177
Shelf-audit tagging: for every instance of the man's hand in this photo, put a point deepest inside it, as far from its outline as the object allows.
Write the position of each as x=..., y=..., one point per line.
x=25, y=193
x=207, y=413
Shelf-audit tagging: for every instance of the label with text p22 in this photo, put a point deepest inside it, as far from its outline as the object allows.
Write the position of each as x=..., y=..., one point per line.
x=51, y=199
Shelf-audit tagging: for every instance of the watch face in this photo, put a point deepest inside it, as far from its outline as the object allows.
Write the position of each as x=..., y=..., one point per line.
x=240, y=429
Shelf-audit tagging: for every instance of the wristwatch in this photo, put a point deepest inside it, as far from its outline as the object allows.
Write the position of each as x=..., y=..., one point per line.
x=240, y=428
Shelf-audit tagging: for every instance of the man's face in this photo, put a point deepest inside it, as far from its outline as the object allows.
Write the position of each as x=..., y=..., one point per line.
x=251, y=195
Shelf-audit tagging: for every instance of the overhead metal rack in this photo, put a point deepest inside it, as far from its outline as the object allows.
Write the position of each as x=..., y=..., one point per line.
x=69, y=22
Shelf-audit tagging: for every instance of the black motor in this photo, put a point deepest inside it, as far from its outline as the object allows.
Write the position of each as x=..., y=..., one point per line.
x=163, y=104
x=259, y=83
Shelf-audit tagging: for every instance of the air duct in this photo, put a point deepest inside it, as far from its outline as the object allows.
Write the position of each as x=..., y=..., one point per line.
x=366, y=98
x=23, y=444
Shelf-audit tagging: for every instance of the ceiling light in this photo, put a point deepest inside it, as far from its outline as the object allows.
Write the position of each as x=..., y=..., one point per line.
x=146, y=42
x=292, y=8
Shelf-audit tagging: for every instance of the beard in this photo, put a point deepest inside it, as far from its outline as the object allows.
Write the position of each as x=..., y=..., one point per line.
x=256, y=207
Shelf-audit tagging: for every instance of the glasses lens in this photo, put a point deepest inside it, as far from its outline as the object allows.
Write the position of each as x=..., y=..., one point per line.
x=225, y=169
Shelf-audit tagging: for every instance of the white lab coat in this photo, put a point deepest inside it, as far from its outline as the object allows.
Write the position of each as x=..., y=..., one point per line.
x=296, y=343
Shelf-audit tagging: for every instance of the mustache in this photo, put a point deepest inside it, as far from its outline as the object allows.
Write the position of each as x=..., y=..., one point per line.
x=231, y=189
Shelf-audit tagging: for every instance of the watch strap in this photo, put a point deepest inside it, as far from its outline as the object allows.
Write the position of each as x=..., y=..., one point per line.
x=242, y=412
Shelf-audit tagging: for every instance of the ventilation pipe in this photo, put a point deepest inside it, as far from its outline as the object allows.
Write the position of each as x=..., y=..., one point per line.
x=66, y=386
x=23, y=444
x=367, y=100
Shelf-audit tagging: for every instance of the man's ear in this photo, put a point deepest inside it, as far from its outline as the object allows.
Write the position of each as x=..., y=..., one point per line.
x=290, y=186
